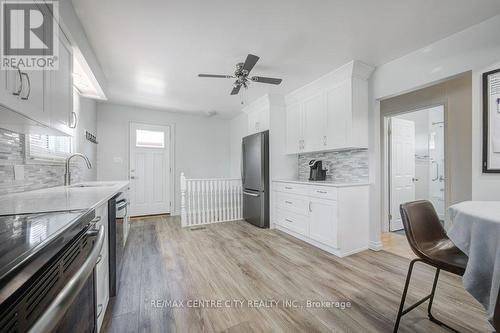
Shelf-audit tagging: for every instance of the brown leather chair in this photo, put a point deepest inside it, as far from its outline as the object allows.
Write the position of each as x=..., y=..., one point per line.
x=428, y=239
x=496, y=314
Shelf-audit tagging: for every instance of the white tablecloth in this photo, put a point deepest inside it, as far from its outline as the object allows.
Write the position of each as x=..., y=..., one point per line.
x=476, y=231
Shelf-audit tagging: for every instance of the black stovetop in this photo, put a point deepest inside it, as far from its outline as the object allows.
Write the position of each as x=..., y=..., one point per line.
x=22, y=236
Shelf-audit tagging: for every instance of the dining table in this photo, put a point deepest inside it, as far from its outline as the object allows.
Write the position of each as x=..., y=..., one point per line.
x=475, y=230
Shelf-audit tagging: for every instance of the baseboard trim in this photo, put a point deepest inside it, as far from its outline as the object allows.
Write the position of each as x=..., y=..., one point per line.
x=375, y=246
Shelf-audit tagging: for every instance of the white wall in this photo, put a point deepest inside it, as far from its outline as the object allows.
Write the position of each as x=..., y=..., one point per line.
x=238, y=128
x=474, y=49
x=484, y=186
x=86, y=111
x=202, y=148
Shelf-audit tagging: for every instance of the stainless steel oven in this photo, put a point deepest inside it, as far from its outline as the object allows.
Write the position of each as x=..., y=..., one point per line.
x=59, y=293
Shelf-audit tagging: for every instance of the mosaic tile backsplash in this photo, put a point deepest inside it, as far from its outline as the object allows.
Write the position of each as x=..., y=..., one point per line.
x=350, y=166
x=37, y=175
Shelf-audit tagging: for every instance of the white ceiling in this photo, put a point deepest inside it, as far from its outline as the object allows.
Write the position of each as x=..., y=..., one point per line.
x=151, y=51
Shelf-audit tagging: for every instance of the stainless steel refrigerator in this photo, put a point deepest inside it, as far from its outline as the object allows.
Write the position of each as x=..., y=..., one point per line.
x=255, y=178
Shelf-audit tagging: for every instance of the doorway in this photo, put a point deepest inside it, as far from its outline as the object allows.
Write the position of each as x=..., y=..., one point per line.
x=416, y=162
x=150, y=169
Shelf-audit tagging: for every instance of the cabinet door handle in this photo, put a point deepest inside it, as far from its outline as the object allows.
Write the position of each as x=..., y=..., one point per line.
x=288, y=188
x=322, y=192
x=289, y=220
x=99, y=311
x=18, y=92
x=324, y=140
x=289, y=202
x=310, y=208
x=29, y=86
x=74, y=121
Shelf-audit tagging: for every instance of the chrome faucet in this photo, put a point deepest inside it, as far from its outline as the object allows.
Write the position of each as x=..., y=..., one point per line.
x=67, y=173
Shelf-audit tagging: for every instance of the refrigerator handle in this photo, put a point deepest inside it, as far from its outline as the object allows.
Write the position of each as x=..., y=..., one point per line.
x=251, y=194
x=242, y=168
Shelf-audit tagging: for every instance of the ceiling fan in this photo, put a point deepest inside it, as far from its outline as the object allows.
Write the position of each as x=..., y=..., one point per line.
x=241, y=74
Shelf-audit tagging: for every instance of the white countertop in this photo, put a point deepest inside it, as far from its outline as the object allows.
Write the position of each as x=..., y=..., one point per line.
x=61, y=198
x=320, y=182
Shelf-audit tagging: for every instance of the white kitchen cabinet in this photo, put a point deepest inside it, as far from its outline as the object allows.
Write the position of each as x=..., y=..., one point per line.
x=294, y=129
x=330, y=113
x=59, y=90
x=44, y=96
x=258, y=119
x=102, y=268
x=323, y=221
x=314, y=122
x=333, y=218
x=338, y=120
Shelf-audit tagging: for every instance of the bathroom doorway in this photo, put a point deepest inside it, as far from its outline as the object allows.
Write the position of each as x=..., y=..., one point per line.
x=416, y=161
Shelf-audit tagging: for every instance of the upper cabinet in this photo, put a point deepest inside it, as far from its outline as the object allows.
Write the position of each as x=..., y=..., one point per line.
x=59, y=90
x=330, y=113
x=44, y=96
x=258, y=115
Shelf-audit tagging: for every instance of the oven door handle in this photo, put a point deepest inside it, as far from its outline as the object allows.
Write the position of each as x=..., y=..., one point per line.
x=49, y=320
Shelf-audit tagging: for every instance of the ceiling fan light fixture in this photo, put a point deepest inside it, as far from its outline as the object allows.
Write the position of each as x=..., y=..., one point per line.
x=242, y=75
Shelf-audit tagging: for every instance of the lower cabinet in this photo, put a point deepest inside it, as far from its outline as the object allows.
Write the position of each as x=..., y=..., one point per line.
x=332, y=218
x=323, y=221
x=102, y=269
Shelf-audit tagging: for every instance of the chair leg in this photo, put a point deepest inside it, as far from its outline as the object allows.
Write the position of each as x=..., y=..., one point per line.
x=431, y=299
x=403, y=297
x=402, y=311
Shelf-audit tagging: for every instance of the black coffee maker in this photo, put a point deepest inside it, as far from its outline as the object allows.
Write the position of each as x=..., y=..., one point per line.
x=316, y=170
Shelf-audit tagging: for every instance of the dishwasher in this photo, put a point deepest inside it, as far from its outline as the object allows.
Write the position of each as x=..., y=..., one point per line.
x=119, y=225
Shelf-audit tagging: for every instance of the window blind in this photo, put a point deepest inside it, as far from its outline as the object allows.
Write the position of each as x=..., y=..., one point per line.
x=48, y=147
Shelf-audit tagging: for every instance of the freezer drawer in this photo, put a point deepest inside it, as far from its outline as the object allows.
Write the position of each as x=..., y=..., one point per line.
x=255, y=208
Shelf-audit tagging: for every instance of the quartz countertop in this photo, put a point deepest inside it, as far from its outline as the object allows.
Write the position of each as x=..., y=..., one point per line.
x=87, y=195
x=321, y=182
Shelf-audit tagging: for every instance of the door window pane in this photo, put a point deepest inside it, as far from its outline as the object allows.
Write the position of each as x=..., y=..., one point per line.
x=149, y=139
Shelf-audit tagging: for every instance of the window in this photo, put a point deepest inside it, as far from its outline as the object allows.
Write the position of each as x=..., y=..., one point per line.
x=48, y=147
x=149, y=139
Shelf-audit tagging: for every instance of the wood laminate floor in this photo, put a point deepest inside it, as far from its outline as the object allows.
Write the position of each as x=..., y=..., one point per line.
x=238, y=262
x=397, y=244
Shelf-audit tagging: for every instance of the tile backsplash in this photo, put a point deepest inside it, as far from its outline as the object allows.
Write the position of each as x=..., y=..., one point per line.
x=349, y=166
x=37, y=175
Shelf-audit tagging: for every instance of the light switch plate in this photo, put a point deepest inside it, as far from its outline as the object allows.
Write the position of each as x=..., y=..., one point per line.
x=19, y=172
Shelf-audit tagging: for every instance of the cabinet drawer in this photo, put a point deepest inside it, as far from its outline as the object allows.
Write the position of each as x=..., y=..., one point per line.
x=292, y=203
x=323, y=192
x=292, y=221
x=291, y=188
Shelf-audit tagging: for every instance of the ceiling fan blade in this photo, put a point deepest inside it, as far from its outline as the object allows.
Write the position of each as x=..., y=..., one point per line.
x=216, y=76
x=250, y=62
x=236, y=90
x=263, y=79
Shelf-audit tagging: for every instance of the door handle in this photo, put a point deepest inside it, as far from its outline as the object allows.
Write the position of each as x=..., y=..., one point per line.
x=20, y=89
x=437, y=171
x=27, y=96
x=133, y=177
x=74, y=120
x=251, y=194
x=310, y=208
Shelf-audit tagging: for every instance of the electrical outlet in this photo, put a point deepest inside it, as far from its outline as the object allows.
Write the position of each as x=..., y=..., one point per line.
x=19, y=172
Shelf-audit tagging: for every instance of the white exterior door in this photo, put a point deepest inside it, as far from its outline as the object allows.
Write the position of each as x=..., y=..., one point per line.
x=402, y=168
x=149, y=169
